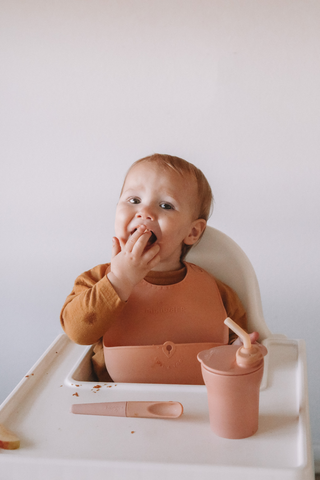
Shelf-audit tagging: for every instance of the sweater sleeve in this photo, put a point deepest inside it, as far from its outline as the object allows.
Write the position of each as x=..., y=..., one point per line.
x=91, y=307
x=234, y=308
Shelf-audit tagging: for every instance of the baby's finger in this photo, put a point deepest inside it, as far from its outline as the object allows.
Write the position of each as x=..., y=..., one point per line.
x=254, y=337
x=132, y=240
x=116, y=248
x=141, y=243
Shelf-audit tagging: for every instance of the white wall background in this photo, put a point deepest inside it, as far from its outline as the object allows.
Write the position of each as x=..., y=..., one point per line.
x=89, y=86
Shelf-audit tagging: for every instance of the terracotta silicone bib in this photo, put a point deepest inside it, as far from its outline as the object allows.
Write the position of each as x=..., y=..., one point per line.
x=167, y=363
x=157, y=336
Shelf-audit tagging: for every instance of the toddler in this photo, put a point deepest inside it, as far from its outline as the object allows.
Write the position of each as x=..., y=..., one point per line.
x=162, y=212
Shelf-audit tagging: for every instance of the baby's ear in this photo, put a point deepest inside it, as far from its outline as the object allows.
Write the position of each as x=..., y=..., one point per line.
x=196, y=230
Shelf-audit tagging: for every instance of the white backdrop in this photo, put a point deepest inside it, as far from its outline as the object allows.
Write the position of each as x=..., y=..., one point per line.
x=87, y=87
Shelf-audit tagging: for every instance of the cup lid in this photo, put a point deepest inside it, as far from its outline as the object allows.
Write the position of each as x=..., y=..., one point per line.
x=232, y=359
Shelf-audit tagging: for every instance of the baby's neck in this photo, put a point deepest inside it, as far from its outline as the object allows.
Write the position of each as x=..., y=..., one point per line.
x=166, y=278
x=168, y=266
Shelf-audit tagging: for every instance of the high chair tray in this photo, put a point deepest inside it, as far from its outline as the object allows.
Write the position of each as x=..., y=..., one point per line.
x=56, y=444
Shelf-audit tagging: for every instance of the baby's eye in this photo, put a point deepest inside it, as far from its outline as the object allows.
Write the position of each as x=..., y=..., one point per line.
x=166, y=206
x=134, y=200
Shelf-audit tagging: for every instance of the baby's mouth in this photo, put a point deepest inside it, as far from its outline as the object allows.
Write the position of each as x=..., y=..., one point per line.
x=151, y=240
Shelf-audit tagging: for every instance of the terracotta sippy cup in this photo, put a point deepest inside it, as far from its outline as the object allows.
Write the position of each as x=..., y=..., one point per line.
x=233, y=375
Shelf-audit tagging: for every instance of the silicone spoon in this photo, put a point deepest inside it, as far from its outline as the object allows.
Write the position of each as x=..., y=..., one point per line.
x=131, y=409
x=8, y=440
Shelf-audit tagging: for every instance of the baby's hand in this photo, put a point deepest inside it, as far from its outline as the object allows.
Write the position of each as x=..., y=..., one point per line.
x=253, y=337
x=131, y=261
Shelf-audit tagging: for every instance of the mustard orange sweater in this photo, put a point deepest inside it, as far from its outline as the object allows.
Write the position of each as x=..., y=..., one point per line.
x=93, y=305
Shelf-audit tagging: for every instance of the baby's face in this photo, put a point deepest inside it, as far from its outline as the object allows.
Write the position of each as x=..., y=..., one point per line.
x=165, y=202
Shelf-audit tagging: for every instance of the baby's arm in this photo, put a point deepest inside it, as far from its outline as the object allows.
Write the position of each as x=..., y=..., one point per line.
x=236, y=311
x=234, y=308
x=131, y=261
x=99, y=295
x=91, y=307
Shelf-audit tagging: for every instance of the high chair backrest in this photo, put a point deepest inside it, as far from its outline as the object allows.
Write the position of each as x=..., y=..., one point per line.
x=224, y=259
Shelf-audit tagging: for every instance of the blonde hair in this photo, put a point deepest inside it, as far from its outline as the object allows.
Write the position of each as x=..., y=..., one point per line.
x=182, y=167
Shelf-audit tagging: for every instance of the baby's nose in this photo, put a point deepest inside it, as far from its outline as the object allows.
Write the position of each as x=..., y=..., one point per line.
x=145, y=213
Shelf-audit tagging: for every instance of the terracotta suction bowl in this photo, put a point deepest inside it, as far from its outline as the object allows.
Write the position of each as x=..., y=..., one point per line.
x=167, y=363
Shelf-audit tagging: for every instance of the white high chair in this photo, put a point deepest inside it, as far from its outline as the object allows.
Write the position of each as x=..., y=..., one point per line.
x=57, y=444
